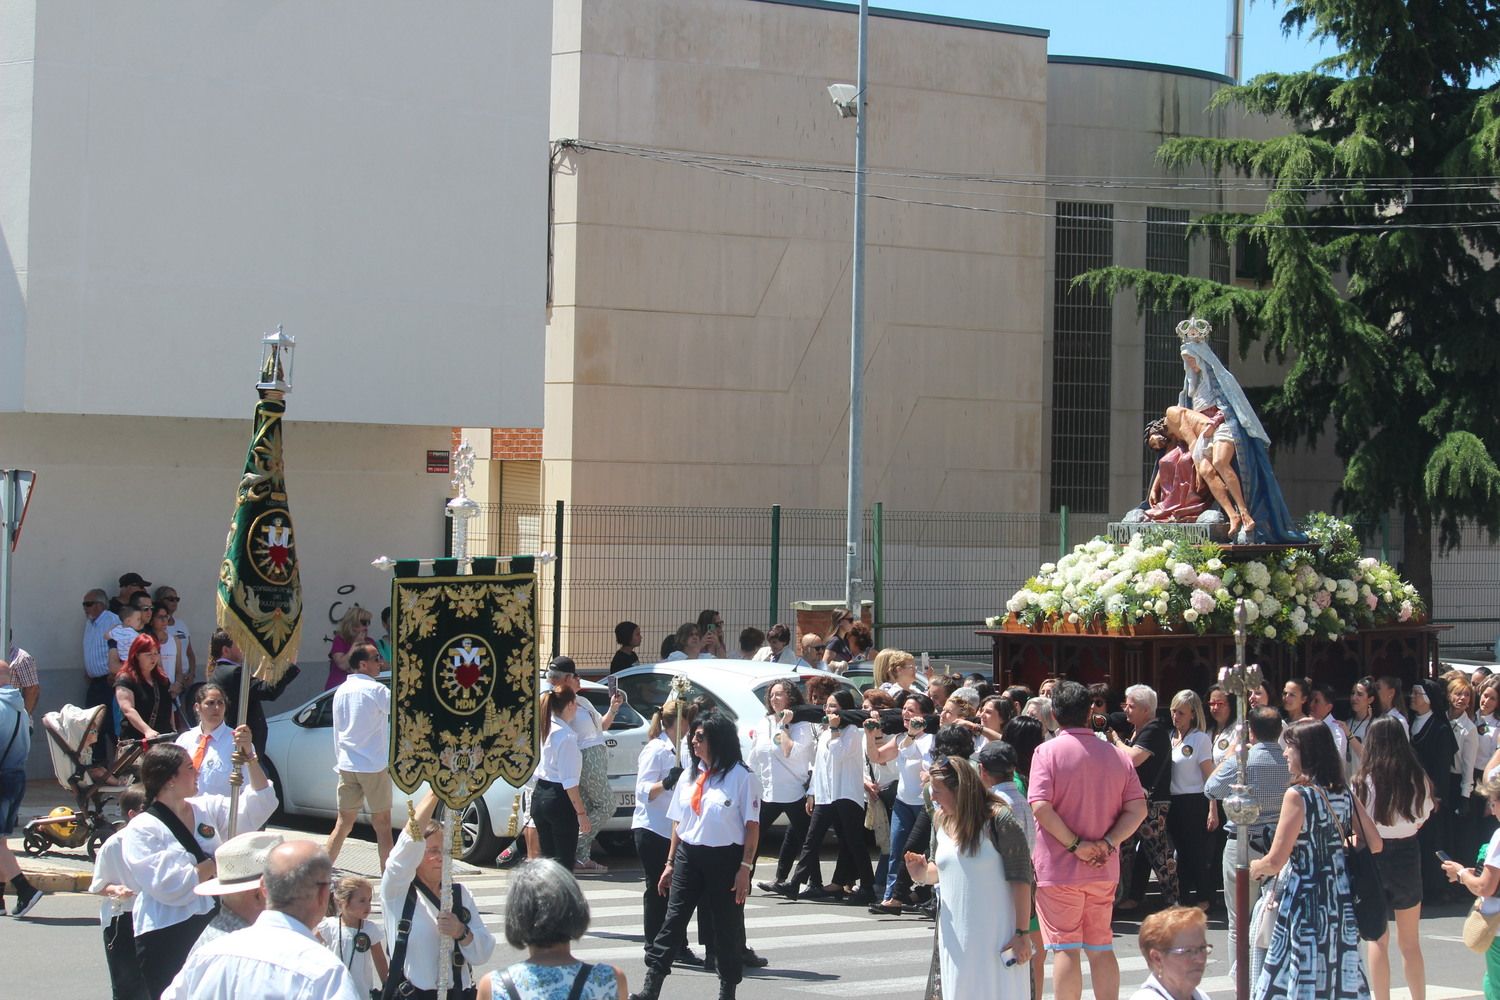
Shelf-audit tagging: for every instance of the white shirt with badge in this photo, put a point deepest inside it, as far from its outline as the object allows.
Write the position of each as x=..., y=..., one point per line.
x=277, y=956
x=213, y=776
x=730, y=800
x=839, y=766
x=1188, y=755
x=657, y=757
x=165, y=872
x=354, y=947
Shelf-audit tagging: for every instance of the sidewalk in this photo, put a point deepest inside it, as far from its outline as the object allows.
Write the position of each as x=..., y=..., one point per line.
x=69, y=870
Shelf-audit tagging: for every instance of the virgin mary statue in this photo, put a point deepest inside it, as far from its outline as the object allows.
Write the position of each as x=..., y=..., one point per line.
x=1234, y=446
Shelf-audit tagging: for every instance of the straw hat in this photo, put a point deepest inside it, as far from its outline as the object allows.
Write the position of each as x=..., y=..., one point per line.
x=241, y=862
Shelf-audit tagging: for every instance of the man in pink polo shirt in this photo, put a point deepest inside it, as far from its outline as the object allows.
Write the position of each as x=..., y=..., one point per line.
x=1087, y=800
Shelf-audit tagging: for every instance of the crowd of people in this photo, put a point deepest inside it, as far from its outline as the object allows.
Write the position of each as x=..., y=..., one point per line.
x=1021, y=823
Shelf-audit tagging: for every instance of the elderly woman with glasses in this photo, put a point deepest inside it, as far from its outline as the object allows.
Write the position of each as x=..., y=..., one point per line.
x=715, y=815
x=1175, y=945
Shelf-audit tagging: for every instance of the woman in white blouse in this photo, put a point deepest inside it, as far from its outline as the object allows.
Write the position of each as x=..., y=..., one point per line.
x=557, y=805
x=715, y=816
x=836, y=799
x=781, y=756
x=657, y=773
x=911, y=752
x=1190, y=821
x=168, y=849
x=211, y=742
x=408, y=890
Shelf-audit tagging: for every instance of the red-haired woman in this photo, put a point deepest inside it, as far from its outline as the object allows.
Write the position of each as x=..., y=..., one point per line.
x=143, y=692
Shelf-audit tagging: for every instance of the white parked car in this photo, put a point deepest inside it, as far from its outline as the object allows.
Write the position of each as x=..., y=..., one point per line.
x=299, y=758
x=735, y=687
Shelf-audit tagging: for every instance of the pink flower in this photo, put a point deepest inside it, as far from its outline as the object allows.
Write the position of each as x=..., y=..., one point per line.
x=1405, y=612
x=1208, y=582
x=1371, y=601
x=1322, y=599
x=1202, y=602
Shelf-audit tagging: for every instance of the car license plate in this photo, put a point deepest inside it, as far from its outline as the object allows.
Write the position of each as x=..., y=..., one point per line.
x=625, y=800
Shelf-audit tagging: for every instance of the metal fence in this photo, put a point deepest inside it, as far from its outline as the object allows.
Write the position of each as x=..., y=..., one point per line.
x=934, y=577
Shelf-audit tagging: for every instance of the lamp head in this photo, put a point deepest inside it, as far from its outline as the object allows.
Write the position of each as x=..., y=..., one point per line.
x=845, y=98
x=276, y=351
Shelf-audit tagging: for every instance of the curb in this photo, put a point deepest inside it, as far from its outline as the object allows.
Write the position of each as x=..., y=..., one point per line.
x=56, y=879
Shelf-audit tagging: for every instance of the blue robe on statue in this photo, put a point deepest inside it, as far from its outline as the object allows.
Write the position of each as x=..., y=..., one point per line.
x=1213, y=385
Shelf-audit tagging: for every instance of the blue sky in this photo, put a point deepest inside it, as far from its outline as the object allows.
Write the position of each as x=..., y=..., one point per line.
x=1175, y=32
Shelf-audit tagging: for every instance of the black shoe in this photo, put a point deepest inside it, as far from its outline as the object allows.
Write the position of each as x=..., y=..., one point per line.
x=775, y=888
x=821, y=894
x=860, y=897
x=651, y=988
x=727, y=990
x=927, y=910
x=25, y=903
x=685, y=956
x=754, y=961
x=788, y=890
x=710, y=963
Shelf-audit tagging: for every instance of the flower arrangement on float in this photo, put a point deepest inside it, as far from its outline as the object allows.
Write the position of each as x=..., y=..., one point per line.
x=1324, y=590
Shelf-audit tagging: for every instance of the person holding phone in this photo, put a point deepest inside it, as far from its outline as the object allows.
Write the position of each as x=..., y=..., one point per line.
x=912, y=752
x=781, y=755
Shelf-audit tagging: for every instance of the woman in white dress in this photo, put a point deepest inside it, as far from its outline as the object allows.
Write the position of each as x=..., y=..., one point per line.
x=985, y=905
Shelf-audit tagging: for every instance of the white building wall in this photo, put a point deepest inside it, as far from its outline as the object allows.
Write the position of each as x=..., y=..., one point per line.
x=372, y=175
x=154, y=496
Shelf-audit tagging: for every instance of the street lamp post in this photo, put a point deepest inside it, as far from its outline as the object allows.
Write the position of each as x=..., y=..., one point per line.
x=855, y=525
x=1240, y=807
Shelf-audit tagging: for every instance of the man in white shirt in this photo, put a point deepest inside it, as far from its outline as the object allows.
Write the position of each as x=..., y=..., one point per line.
x=778, y=647
x=1322, y=709
x=361, y=726
x=277, y=956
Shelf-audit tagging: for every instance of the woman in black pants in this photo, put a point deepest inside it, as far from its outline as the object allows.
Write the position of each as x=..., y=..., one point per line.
x=836, y=799
x=715, y=814
x=557, y=805
x=657, y=772
x=781, y=755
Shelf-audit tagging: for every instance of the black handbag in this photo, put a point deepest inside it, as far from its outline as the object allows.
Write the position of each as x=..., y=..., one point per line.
x=1364, y=876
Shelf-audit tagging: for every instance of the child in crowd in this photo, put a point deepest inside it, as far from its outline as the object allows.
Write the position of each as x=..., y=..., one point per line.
x=354, y=937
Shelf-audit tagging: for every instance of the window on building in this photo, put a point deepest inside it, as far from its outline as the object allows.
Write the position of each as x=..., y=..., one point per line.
x=1081, y=332
x=1167, y=252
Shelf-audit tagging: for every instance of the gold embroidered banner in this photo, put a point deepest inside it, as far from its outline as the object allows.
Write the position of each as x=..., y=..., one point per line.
x=464, y=707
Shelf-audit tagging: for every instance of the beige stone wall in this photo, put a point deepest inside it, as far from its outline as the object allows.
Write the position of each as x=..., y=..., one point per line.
x=697, y=348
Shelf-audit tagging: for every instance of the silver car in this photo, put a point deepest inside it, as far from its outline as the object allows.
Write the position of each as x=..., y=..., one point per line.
x=299, y=758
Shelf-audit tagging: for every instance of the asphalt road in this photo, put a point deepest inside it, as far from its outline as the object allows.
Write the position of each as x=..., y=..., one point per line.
x=816, y=950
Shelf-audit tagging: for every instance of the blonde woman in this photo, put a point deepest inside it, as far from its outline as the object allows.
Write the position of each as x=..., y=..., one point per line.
x=895, y=672
x=354, y=627
x=1190, y=820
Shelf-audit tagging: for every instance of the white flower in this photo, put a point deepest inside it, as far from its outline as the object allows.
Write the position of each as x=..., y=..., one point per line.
x=1161, y=606
x=1300, y=626
x=1157, y=579
x=1269, y=631
x=1406, y=611
x=1047, y=568
x=1214, y=565
x=1368, y=563
x=1073, y=618
x=1257, y=595
x=1189, y=615
x=1015, y=604
x=1184, y=574
x=1251, y=611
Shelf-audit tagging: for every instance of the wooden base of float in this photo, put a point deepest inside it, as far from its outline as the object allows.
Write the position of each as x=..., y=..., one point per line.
x=1150, y=653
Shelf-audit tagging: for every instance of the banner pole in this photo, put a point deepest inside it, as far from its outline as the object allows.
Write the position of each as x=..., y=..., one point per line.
x=237, y=775
x=461, y=509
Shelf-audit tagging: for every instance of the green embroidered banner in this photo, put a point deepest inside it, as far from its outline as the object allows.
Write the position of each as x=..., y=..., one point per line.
x=464, y=707
x=260, y=590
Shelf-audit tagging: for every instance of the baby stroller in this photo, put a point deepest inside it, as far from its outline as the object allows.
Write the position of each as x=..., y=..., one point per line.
x=71, y=733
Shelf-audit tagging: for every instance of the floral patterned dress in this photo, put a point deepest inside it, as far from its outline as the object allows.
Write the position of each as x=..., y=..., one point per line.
x=1314, y=953
x=555, y=982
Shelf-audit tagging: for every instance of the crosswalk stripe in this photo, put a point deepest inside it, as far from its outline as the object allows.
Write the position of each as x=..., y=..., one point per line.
x=499, y=900
x=909, y=985
x=790, y=941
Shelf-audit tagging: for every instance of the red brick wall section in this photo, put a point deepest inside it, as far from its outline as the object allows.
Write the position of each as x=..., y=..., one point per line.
x=508, y=444
x=516, y=444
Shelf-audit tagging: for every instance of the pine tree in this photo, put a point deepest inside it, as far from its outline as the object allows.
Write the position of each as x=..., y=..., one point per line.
x=1380, y=229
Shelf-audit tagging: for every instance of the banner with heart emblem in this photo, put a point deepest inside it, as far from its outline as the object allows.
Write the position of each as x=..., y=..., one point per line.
x=464, y=708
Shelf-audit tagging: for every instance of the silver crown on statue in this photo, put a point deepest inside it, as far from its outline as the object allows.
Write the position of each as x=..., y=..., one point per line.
x=1194, y=330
